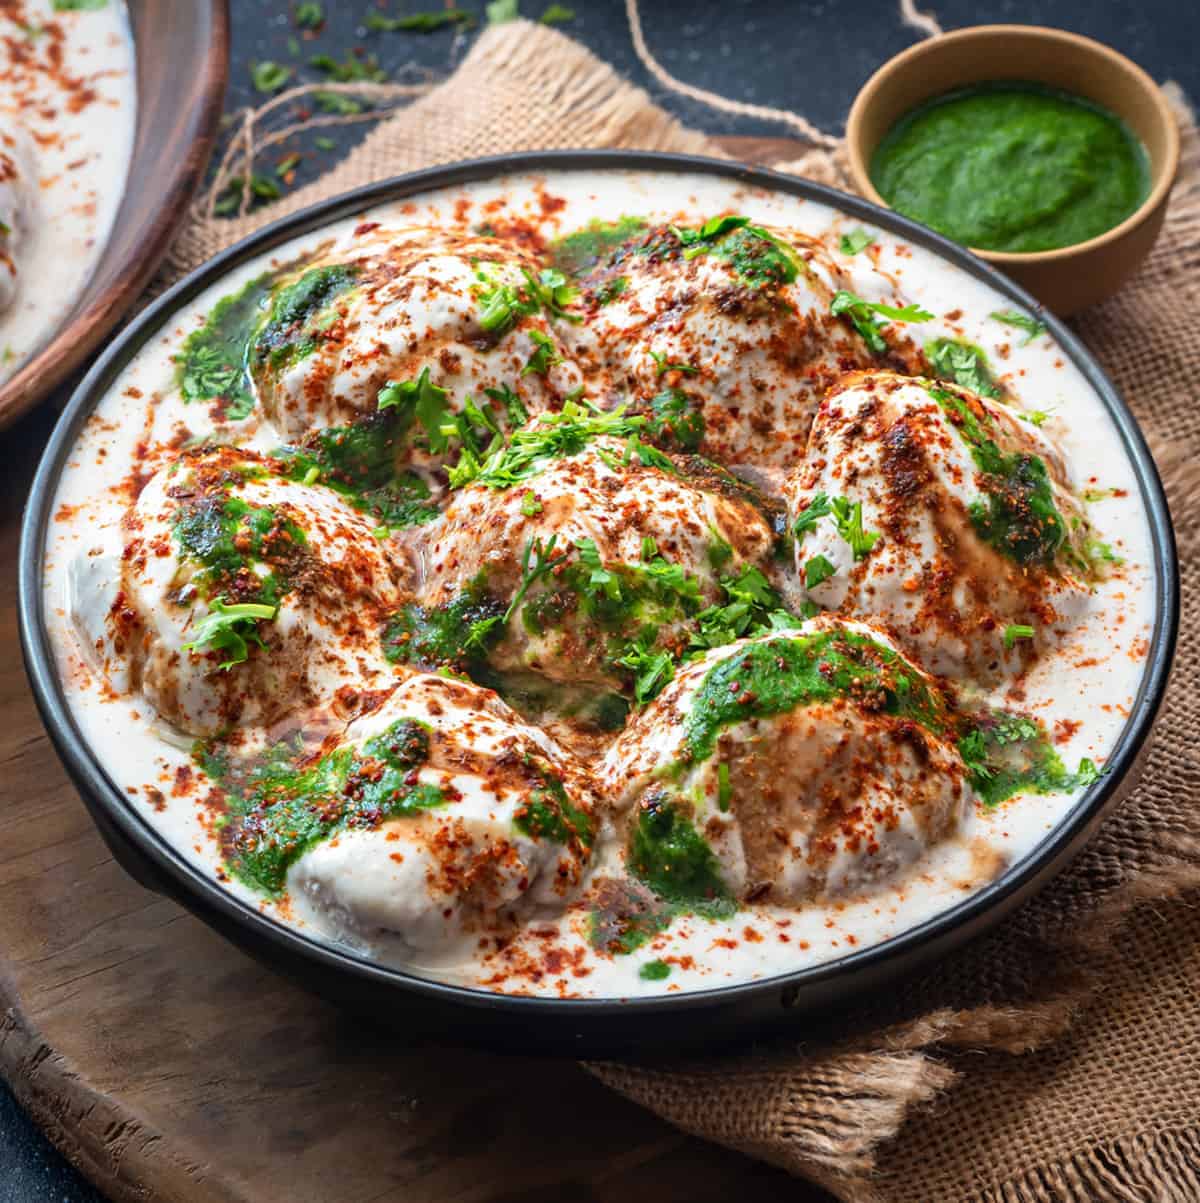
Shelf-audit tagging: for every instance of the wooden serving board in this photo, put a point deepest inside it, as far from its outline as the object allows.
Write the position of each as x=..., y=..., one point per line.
x=168, y=1066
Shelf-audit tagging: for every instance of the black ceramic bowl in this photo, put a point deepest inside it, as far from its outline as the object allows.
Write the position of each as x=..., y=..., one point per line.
x=542, y=1024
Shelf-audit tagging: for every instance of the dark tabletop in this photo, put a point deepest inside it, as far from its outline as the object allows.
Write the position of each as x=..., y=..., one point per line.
x=807, y=55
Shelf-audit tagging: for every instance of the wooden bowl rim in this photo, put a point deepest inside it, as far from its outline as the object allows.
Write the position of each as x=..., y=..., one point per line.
x=1075, y=43
x=87, y=322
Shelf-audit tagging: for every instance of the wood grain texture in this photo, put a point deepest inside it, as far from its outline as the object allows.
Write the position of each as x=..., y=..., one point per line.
x=182, y=49
x=168, y=1066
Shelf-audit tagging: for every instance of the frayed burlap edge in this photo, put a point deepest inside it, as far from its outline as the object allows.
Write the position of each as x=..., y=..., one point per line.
x=1151, y=1167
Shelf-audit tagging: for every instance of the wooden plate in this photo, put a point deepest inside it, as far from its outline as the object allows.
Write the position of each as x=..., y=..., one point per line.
x=182, y=52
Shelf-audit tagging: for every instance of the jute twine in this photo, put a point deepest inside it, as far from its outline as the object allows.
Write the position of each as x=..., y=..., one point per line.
x=930, y=1094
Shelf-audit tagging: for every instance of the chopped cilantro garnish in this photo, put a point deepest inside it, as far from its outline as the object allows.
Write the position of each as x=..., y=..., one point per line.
x=310, y=14
x=557, y=14
x=863, y=317
x=554, y=292
x=1096, y=550
x=352, y=69
x=662, y=366
x=1015, y=631
x=428, y=404
x=648, y=456
x=552, y=436
x=855, y=241
x=537, y=561
x=231, y=629
x=654, y=971
x=812, y=513
x=261, y=188
x=1022, y=321
x=427, y=22
x=544, y=357
x=816, y=571
x=677, y=416
x=337, y=102
x=847, y=518
x=652, y=669
x=269, y=77
x=961, y=363
x=514, y=407
x=504, y=304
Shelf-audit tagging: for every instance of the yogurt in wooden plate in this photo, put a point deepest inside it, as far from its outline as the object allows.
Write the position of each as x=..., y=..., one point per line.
x=68, y=108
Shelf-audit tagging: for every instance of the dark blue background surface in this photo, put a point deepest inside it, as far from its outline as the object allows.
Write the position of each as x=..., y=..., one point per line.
x=808, y=55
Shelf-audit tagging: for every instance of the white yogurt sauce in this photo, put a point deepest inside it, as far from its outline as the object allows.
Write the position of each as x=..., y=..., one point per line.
x=67, y=116
x=1087, y=686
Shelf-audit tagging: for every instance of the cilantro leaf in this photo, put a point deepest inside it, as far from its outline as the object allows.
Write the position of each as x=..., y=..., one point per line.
x=649, y=457
x=428, y=22
x=553, y=292
x=544, y=357
x=543, y=562
x=352, y=70
x=863, y=315
x=963, y=364
x=514, y=407
x=653, y=669
x=231, y=628
x=1015, y=631
x=661, y=365
x=855, y=241
x=428, y=403
x=812, y=513
x=1022, y=321
x=817, y=571
x=269, y=77
x=309, y=15
x=848, y=520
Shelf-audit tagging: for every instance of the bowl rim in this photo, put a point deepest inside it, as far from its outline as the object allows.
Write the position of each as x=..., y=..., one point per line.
x=81, y=329
x=909, y=59
x=199, y=890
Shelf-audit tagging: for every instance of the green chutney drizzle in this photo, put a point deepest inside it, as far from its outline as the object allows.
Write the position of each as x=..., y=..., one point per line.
x=1014, y=167
x=279, y=809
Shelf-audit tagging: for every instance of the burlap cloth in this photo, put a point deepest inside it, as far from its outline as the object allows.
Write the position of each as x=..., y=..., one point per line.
x=1058, y=1059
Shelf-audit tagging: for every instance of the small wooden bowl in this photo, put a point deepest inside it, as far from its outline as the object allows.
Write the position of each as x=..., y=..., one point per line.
x=1072, y=277
x=182, y=61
